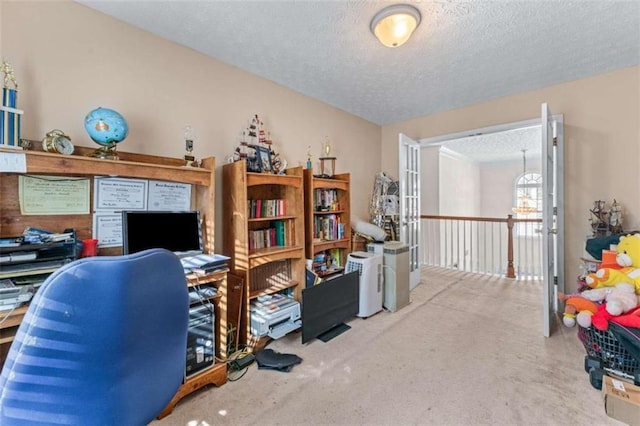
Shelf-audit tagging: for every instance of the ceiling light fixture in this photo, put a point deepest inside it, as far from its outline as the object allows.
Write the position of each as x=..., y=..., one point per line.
x=394, y=25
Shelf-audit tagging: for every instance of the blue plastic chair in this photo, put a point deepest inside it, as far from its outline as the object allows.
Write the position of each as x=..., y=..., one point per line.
x=103, y=342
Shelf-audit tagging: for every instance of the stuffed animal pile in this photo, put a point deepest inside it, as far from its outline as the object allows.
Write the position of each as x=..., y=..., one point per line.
x=613, y=291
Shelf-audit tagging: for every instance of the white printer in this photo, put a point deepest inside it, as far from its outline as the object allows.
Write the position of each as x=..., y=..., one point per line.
x=274, y=316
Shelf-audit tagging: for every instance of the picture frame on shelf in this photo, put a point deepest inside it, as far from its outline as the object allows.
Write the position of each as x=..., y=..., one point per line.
x=263, y=155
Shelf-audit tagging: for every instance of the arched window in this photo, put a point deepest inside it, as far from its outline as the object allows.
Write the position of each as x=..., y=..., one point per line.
x=528, y=201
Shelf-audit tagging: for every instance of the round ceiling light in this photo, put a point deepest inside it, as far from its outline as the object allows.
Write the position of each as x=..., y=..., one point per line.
x=394, y=25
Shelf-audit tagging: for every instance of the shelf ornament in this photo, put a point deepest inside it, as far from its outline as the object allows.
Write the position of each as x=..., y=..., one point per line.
x=326, y=151
x=107, y=128
x=189, y=136
x=256, y=147
x=10, y=115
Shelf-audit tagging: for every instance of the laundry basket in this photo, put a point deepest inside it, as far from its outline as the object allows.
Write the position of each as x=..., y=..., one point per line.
x=607, y=355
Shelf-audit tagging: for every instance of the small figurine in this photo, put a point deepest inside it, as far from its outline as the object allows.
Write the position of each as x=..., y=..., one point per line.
x=309, y=157
x=7, y=69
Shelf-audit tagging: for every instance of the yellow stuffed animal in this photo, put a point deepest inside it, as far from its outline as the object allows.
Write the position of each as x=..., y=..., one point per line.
x=628, y=258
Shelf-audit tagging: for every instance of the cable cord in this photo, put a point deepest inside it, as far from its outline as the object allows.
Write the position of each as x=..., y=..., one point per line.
x=234, y=352
x=235, y=374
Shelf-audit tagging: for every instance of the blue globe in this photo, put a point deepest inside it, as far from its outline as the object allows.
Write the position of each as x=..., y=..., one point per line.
x=105, y=126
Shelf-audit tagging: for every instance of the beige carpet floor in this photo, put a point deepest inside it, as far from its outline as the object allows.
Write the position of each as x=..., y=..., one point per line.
x=467, y=350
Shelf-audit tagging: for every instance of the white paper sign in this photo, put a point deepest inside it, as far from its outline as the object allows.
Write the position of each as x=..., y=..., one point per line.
x=107, y=229
x=119, y=194
x=13, y=162
x=169, y=196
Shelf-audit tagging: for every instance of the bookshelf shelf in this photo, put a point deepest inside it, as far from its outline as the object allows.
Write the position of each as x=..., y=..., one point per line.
x=273, y=289
x=327, y=212
x=331, y=244
x=267, y=219
x=256, y=179
x=274, y=253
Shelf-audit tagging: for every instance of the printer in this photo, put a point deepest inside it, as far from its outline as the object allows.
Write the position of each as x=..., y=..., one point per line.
x=274, y=316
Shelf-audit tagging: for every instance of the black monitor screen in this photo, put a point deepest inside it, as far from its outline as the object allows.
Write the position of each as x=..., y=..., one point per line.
x=174, y=231
x=329, y=304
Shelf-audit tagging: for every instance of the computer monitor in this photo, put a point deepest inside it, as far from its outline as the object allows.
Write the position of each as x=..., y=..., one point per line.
x=325, y=306
x=176, y=231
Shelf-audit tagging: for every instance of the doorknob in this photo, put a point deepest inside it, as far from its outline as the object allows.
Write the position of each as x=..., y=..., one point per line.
x=553, y=231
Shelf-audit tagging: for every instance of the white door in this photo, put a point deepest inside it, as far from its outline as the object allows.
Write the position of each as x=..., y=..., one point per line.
x=553, y=215
x=409, y=170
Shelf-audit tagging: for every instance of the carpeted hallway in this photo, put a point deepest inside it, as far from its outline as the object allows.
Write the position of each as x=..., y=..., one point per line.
x=467, y=350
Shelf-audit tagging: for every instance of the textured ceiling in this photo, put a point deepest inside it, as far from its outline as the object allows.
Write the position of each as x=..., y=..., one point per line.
x=462, y=53
x=500, y=147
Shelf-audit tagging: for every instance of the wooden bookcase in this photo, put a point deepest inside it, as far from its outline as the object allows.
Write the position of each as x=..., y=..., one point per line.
x=130, y=165
x=327, y=207
x=264, y=268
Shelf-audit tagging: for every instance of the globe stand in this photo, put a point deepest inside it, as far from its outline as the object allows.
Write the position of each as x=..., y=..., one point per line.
x=107, y=152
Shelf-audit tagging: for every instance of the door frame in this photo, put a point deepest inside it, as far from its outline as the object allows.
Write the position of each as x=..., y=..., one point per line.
x=534, y=122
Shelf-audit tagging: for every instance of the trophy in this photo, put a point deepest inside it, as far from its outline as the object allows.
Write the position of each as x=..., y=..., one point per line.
x=326, y=150
x=10, y=115
x=188, y=145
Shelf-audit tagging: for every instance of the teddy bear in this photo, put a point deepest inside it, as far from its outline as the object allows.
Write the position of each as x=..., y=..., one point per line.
x=619, y=299
x=628, y=258
x=577, y=309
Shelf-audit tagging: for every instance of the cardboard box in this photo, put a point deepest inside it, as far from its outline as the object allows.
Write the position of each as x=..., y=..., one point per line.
x=621, y=400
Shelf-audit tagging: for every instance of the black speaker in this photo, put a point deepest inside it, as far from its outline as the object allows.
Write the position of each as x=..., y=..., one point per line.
x=201, y=343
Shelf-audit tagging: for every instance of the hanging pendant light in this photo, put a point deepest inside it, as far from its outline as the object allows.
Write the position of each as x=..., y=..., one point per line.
x=523, y=203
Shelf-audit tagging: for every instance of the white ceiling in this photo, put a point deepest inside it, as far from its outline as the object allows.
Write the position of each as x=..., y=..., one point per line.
x=462, y=53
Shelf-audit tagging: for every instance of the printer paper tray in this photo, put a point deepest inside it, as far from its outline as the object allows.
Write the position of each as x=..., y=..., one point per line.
x=281, y=330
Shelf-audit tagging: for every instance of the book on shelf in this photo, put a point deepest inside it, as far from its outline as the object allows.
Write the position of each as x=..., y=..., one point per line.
x=325, y=199
x=260, y=208
x=274, y=236
x=280, y=232
x=336, y=259
x=328, y=227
